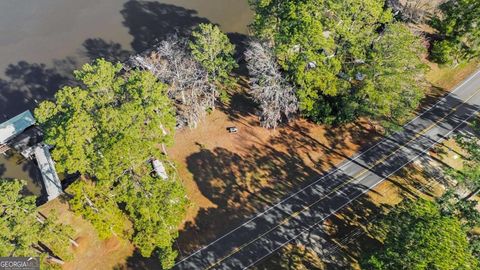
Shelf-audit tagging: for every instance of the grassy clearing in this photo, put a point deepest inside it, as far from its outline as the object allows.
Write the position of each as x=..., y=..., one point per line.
x=448, y=77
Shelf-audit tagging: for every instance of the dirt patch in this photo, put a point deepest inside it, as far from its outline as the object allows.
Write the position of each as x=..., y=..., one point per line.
x=230, y=176
x=92, y=253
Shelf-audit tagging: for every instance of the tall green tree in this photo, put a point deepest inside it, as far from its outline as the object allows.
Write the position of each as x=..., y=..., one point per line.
x=469, y=175
x=109, y=129
x=451, y=204
x=458, y=27
x=23, y=233
x=330, y=51
x=394, y=82
x=418, y=236
x=214, y=51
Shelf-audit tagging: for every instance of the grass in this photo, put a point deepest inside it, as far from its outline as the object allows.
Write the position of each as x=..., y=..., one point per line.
x=448, y=77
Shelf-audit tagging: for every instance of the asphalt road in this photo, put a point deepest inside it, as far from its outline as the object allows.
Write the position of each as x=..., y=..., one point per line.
x=296, y=216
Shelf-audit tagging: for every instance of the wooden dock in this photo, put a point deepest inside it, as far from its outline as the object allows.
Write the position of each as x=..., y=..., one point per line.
x=52, y=183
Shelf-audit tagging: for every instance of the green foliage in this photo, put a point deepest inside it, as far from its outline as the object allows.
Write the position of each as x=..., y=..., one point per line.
x=418, y=236
x=156, y=207
x=469, y=175
x=444, y=52
x=94, y=203
x=20, y=230
x=394, y=81
x=464, y=210
x=344, y=57
x=56, y=236
x=214, y=51
x=458, y=26
x=108, y=125
x=108, y=129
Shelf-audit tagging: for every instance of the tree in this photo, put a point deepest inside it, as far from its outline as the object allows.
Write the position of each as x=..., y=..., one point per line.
x=214, y=51
x=157, y=208
x=393, y=83
x=94, y=201
x=458, y=27
x=328, y=50
x=416, y=11
x=418, y=236
x=110, y=125
x=189, y=85
x=23, y=233
x=109, y=129
x=464, y=210
x=274, y=94
x=469, y=175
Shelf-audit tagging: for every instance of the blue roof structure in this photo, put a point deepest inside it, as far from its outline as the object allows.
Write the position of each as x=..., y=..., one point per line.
x=15, y=126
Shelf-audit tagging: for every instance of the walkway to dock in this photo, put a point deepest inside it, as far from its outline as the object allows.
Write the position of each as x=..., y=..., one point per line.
x=47, y=168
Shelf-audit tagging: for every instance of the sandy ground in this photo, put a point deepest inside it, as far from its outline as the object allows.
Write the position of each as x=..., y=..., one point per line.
x=92, y=253
x=231, y=176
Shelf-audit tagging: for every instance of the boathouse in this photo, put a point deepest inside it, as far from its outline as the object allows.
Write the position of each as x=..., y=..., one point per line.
x=14, y=127
x=20, y=133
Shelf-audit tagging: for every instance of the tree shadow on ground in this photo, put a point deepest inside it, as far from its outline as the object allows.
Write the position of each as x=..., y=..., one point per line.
x=434, y=95
x=352, y=232
x=242, y=185
x=239, y=186
x=292, y=256
x=240, y=106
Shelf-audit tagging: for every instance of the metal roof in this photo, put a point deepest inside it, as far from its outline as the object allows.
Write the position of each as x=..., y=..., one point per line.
x=15, y=126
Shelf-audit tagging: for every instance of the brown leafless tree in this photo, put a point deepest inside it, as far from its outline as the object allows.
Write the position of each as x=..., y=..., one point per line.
x=269, y=89
x=189, y=85
x=416, y=11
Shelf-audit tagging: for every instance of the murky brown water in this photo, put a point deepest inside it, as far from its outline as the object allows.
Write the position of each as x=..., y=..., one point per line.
x=41, y=41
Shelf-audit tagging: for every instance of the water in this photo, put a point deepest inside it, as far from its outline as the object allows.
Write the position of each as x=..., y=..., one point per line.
x=42, y=41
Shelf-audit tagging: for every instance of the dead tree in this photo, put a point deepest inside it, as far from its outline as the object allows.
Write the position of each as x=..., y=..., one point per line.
x=416, y=11
x=269, y=88
x=189, y=85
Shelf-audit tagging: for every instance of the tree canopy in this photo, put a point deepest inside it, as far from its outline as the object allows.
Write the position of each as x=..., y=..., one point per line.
x=23, y=233
x=418, y=236
x=458, y=25
x=469, y=174
x=109, y=128
x=214, y=51
x=341, y=56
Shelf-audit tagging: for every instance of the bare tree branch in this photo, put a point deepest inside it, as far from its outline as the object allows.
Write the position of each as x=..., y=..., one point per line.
x=189, y=85
x=269, y=89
